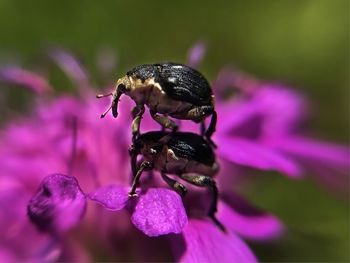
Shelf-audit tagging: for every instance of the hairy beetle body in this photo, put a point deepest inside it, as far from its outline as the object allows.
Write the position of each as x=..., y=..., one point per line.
x=183, y=153
x=179, y=82
x=169, y=89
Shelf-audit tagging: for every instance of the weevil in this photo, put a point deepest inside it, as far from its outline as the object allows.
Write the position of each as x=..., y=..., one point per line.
x=167, y=89
x=184, y=154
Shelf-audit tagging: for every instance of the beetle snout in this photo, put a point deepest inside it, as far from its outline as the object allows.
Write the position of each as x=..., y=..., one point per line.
x=115, y=104
x=121, y=88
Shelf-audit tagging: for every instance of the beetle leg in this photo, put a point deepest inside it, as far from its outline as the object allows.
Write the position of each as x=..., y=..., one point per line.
x=144, y=166
x=133, y=158
x=178, y=187
x=134, y=112
x=206, y=181
x=211, y=128
x=198, y=113
x=137, y=113
x=212, y=125
x=203, y=128
x=164, y=121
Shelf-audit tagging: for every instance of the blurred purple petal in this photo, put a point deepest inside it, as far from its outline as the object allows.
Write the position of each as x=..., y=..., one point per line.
x=70, y=65
x=254, y=225
x=314, y=150
x=20, y=241
x=58, y=204
x=328, y=163
x=158, y=212
x=236, y=114
x=106, y=61
x=196, y=54
x=205, y=242
x=226, y=80
x=49, y=253
x=248, y=153
x=283, y=109
x=19, y=76
x=229, y=78
x=112, y=197
x=6, y=256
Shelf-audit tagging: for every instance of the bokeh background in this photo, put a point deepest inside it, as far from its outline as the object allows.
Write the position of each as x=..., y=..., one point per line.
x=303, y=43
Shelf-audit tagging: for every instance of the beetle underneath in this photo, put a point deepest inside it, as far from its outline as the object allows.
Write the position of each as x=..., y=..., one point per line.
x=184, y=154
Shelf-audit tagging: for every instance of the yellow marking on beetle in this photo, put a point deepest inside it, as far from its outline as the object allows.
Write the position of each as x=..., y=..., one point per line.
x=139, y=84
x=171, y=154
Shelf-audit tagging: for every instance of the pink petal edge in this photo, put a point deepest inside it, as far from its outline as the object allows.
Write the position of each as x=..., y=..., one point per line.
x=159, y=212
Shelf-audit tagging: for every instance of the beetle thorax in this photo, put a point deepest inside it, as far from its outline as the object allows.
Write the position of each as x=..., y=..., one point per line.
x=150, y=152
x=142, y=91
x=151, y=93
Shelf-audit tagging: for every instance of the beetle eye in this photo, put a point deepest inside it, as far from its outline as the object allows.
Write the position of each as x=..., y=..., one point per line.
x=153, y=151
x=121, y=88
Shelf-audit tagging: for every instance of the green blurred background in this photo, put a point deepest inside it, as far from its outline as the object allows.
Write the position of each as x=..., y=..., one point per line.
x=301, y=43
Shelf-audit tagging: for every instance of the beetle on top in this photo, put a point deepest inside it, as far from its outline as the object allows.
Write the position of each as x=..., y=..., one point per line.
x=168, y=89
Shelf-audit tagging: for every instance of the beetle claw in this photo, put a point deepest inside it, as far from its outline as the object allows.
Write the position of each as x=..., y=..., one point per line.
x=133, y=194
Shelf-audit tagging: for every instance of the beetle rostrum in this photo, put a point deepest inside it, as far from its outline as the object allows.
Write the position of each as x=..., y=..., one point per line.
x=167, y=89
x=184, y=154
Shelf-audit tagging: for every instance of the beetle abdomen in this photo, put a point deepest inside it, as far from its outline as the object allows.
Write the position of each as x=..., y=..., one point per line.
x=178, y=81
x=181, y=82
x=193, y=147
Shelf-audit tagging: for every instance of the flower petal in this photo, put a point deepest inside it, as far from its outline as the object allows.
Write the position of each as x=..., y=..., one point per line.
x=231, y=78
x=70, y=65
x=112, y=197
x=158, y=212
x=328, y=163
x=17, y=232
x=235, y=114
x=58, y=204
x=19, y=76
x=314, y=150
x=245, y=152
x=205, y=242
x=106, y=61
x=248, y=221
x=196, y=54
x=283, y=109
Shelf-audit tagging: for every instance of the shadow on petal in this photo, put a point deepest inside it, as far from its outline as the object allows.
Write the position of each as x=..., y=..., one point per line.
x=205, y=242
x=248, y=221
x=58, y=205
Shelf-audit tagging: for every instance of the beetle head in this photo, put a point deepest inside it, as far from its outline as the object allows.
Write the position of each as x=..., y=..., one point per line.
x=206, y=111
x=147, y=146
x=123, y=86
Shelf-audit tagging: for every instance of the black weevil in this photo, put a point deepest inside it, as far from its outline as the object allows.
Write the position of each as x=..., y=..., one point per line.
x=184, y=154
x=169, y=89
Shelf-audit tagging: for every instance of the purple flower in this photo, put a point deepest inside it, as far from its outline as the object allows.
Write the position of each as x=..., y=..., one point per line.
x=58, y=204
x=26, y=78
x=267, y=124
x=64, y=135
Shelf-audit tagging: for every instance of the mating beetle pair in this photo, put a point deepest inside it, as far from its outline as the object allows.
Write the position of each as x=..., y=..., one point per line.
x=183, y=93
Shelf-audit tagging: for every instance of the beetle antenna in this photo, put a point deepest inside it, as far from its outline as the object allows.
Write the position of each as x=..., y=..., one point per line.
x=99, y=96
x=105, y=113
